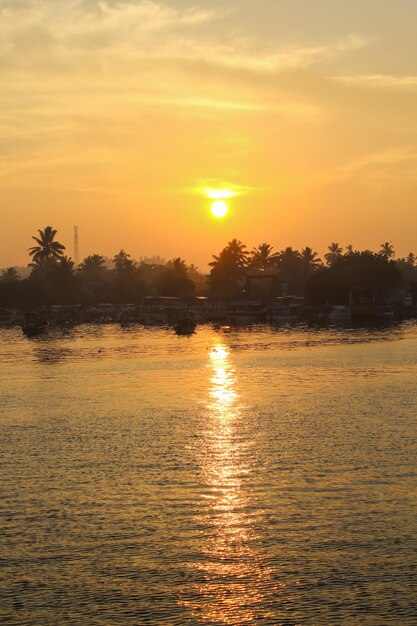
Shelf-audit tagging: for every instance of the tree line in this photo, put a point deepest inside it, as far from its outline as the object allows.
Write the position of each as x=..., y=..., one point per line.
x=54, y=279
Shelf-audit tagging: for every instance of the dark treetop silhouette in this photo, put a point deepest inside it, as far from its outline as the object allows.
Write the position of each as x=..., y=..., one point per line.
x=54, y=279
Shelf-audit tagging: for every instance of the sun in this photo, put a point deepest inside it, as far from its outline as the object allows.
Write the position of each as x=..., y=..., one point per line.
x=219, y=209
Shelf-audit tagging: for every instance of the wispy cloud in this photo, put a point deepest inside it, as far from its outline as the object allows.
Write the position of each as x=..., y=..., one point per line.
x=384, y=81
x=73, y=34
x=148, y=52
x=395, y=164
x=296, y=57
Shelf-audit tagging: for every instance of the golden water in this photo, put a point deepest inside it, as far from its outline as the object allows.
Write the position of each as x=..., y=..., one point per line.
x=255, y=476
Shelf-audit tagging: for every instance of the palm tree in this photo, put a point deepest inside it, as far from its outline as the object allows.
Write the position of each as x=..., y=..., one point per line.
x=175, y=280
x=288, y=255
x=62, y=282
x=92, y=266
x=262, y=257
x=335, y=252
x=93, y=274
x=387, y=250
x=310, y=259
x=123, y=264
x=290, y=268
x=126, y=276
x=233, y=255
x=48, y=251
x=411, y=259
x=228, y=269
x=179, y=266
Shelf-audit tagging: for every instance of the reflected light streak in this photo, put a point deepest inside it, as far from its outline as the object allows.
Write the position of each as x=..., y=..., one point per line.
x=235, y=575
x=223, y=382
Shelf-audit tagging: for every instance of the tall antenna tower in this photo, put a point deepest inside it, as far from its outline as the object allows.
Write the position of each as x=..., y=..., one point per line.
x=76, y=247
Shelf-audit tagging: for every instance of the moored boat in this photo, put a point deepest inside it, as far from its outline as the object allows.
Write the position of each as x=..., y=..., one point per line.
x=245, y=312
x=185, y=326
x=33, y=325
x=286, y=309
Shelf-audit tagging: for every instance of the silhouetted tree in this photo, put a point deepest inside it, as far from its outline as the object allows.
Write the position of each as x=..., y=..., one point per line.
x=334, y=254
x=63, y=282
x=93, y=266
x=228, y=270
x=370, y=273
x=291, y=269
x=408, y=270
x=10, y=274
x=199, y=280
x=48, y=251
x=128, y=285
x=11, y=288
x=174, y=281
x=411, y=259
x=310, y=259
x=179, y=267
x=95, y=278
x=262, y=257
x=387, y=250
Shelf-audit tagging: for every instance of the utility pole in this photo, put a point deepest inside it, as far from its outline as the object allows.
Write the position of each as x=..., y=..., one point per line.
x=76, y=247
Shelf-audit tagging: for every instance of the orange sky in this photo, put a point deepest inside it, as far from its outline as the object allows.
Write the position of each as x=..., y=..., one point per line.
x=113, y=115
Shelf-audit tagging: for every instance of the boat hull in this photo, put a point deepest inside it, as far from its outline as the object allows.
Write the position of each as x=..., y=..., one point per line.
x=185, y=327
x=34, y=331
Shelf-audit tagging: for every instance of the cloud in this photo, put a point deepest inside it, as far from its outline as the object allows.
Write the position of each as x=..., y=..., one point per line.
x=101, y=53
x=73, y=35
x=398, y=164
x=384, y=81
x=298, y=57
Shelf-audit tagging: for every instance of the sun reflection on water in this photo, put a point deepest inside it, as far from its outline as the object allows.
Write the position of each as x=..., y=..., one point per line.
x=234, y=574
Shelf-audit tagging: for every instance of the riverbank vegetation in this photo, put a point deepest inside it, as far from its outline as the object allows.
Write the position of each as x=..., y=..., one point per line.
x=235, y=273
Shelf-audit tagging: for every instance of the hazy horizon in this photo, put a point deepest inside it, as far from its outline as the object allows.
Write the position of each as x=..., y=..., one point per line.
x=115, y=115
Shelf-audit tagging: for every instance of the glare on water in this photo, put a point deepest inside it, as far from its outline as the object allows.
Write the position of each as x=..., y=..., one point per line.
x=234, y=574
x=256, y=476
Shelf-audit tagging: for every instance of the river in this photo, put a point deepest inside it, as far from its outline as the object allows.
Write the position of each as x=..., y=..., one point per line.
x=250, y=476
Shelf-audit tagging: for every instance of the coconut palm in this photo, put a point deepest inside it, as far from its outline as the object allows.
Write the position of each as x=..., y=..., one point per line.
x=233, y=255
x=290, y=268
x=178, y=266
x=288, y=256
x=228, y=269
x=127, y=277
x=93, y=266
x=310, y=259
x=335, y=252
x=387, y=250
x=48, y=251
x=411, y=259
x=94, y=274
x=262, y=257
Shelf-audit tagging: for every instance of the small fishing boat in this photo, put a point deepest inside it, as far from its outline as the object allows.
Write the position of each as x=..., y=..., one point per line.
x=33, y=325
x=185, y=326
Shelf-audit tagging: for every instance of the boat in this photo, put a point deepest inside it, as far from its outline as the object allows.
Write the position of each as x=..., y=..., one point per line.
x=33, y=326
x=160, y=310
x=245, y=312
x=371, y=312
x=339, y=314
x=286, y=309
x=185, y=326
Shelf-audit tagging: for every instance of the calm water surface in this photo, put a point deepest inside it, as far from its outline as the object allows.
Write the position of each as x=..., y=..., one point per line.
x=254, y=476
